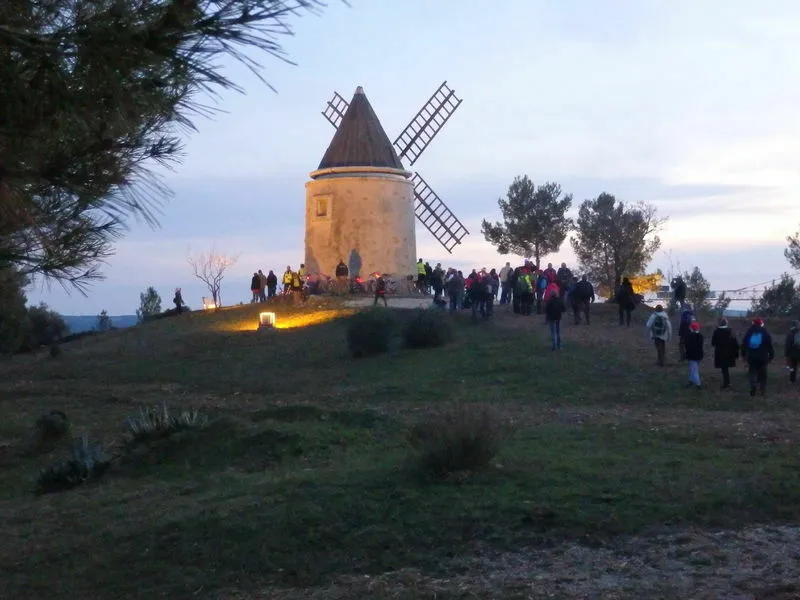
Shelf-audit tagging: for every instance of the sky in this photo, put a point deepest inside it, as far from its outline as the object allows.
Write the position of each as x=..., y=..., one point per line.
x=690, y=106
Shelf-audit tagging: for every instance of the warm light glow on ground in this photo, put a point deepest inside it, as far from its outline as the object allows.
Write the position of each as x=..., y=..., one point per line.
x=287, y=321
x=315, y=318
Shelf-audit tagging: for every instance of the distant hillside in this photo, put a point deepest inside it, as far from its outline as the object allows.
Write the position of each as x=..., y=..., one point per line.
x=80, y=323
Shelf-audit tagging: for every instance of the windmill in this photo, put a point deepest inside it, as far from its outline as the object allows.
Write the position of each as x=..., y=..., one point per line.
x=429, y=208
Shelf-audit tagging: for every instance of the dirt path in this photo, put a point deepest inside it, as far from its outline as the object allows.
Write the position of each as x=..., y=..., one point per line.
x=751, y=564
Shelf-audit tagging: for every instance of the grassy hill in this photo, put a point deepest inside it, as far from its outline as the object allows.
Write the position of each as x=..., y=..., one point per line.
x=612, y=479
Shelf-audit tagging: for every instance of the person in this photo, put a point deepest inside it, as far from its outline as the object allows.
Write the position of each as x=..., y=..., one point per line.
x=437, y=284
x=178, y=300
x=262, y=285
x=342, y=273
x=687, y=316
x=758, y=351
x=564, y=277
x=626, y=299
x=726, y=350
x=421, y=277
x=505, y=274
x=678, y=292
x=694, y=354
x=272, y=284
x=255, y=286
x=660, y=330
x=550, y=273
x=553, y=310
x=541, y=286
x=791, y=350
x=380, y=290
x=582, y=297
x=287, y=279
x=523, y=294
x=455, y=290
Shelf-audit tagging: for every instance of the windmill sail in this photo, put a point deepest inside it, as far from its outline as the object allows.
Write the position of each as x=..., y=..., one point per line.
x=335, y=110
x=436, y=216
x=426, y=124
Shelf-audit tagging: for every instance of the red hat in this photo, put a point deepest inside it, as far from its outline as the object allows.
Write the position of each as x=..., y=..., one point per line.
x=694, y=326
x=758, y=321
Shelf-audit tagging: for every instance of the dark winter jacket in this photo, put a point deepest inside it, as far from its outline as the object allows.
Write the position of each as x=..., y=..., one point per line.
x=255, y=283
x=694, y=346
x=680, y=291
x=554, y=308
x=342, y=270
x=626, y=298
x=564, y=276
x=272, y=280
x=790, y=349
x=687, y=316
x=726, y=347
x=583, y=292
x=764, y=353
x=455, y=285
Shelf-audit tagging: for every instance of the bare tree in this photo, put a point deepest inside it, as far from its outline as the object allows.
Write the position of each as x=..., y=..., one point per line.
x=209, y=267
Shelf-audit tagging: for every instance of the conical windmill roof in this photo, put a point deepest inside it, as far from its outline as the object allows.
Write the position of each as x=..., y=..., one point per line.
x=360, y=140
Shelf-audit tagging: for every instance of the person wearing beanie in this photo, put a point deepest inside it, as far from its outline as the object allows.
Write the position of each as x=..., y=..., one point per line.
x=694, y=354
x=792, y=350
x=758, y=351
x=726, y=350
x=660, y=330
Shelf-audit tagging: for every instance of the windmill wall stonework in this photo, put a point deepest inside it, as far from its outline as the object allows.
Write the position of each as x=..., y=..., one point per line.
x=360, y=201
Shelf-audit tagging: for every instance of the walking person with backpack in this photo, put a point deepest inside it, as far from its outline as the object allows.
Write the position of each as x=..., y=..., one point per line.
x=694, y=354
x=726, y=350
x=660, y=330
x=792, y=350
x=758, y=350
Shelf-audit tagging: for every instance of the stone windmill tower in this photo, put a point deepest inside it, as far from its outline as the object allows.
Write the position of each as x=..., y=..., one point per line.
x=361, y=203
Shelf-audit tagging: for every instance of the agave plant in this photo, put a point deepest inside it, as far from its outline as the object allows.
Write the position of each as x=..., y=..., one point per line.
x=157, y=422
x=87, y=461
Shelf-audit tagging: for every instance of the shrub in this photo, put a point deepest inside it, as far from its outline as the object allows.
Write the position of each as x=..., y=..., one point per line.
x=370, y=331
x=44, y=327
x=87, y=461
x=53, y=425
x=157, y=422
x=427, y=328
x=462, y=440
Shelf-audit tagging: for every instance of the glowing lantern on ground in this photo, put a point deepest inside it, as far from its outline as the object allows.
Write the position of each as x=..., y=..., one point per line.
x=266, y=320
x=208, y=304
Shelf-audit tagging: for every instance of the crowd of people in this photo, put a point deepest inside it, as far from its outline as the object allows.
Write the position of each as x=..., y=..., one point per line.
x=756, y=348
x=528, y=288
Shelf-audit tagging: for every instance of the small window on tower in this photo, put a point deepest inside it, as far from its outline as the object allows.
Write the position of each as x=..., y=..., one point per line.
x=322, y=206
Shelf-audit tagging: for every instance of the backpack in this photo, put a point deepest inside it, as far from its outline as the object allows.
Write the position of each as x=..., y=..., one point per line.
x=524, y=284
x=659, y=326
x=542, y=282
x=754, y=343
